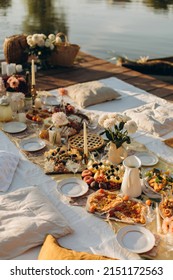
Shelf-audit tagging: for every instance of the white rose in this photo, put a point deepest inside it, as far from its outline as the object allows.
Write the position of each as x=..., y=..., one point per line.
x=101, y=119
x=41, y=42
x=51, y=37
x=35, y=38
x=109, y=123
x=42, y=36
x=30, y=42
x=131, y=126
x=52, y=46
x=47, y=43
x=29, y=37
x=113, y=115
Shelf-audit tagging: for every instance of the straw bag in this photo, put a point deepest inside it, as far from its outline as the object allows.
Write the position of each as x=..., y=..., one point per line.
x=64, y=53
x=14, y=49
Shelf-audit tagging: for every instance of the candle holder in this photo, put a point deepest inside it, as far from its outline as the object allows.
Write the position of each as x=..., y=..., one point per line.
x=85, y=159
x=33, y=94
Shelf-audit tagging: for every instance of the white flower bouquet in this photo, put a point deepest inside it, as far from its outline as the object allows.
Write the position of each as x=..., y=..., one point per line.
x=117, y=128
x=59, y=119
x=41, y=45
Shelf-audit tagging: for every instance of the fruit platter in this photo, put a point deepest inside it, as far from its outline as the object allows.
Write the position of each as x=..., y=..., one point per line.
x=111, y=205
x=38, y=115
x=75, y=117
x=158, y=181
x=103, y=174
x=62, y=160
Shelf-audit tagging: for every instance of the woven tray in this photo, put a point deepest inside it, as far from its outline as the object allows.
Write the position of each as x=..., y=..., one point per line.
x=94, y=142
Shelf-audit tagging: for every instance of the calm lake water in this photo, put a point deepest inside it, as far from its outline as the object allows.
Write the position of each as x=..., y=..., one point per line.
x=104, y=28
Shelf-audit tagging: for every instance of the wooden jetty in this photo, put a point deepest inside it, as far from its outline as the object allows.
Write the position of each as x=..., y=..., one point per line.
x=88, y=68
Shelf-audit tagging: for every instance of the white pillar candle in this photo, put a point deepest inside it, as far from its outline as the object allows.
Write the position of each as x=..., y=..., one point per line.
x=4, y=68
x=22, y=117
x=13, y=68
x=9, y=70
x=85, y=139
x=32, y=72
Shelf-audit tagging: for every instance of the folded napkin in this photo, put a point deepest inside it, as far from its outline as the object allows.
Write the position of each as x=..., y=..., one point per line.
x=153, y=118
x=111, y=248
x=8, y=165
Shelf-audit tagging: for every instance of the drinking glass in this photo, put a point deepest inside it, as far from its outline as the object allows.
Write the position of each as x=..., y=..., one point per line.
x=73, y=166
x=93, y=122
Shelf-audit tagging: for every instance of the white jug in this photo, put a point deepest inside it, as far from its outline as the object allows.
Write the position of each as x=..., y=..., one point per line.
x=131, y=184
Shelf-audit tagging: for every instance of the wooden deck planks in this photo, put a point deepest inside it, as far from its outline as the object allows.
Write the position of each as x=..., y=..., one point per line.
x=89, y=68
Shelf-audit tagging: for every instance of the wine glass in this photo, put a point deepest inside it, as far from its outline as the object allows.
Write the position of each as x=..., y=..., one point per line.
x=73, y=165
x=93, y=122
x=35, y=128
x=14, y=108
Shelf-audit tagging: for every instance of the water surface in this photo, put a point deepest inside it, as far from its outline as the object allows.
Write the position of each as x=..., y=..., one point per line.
x=104, y=28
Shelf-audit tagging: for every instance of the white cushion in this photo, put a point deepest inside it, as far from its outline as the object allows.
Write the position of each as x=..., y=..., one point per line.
x=91, y=93
x=8, y=165
x=153, y=118
x=27, y=216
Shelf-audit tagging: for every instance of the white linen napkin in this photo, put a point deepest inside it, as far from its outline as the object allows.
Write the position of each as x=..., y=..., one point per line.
x=111, y=248
x=8, y=165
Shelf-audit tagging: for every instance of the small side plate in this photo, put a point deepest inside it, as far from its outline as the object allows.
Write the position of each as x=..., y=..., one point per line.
x=72, y=187
x=136, y=239
x=14, y=127
x=32, y=144
x=147, y=159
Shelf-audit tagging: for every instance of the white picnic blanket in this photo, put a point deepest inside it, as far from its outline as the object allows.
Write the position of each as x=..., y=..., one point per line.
x=90, y=233
x=157, y=111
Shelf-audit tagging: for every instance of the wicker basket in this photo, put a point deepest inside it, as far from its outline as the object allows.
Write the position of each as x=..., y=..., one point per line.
x=64, y=54
x=14, y=49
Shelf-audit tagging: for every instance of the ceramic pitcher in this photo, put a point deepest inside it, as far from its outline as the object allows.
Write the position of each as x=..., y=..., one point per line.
x=131, y=184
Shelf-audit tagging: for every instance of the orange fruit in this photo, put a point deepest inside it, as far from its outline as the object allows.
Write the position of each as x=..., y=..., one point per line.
x=148, y=202
x=125, y=197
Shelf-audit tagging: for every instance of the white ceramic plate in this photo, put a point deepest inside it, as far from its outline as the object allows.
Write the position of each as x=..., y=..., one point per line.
x=14, y=127
x=136, y=239
x=147, y=159
x=51, y=101
x=72, y=187
x=32, y=144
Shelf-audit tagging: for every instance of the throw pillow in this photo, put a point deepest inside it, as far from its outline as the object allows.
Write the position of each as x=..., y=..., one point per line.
x=91, y=93
x=51, y=250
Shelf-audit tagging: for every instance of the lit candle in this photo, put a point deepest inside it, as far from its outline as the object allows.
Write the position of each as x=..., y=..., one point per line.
x=4, y=68
x=33, y=73
x=85, y=139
